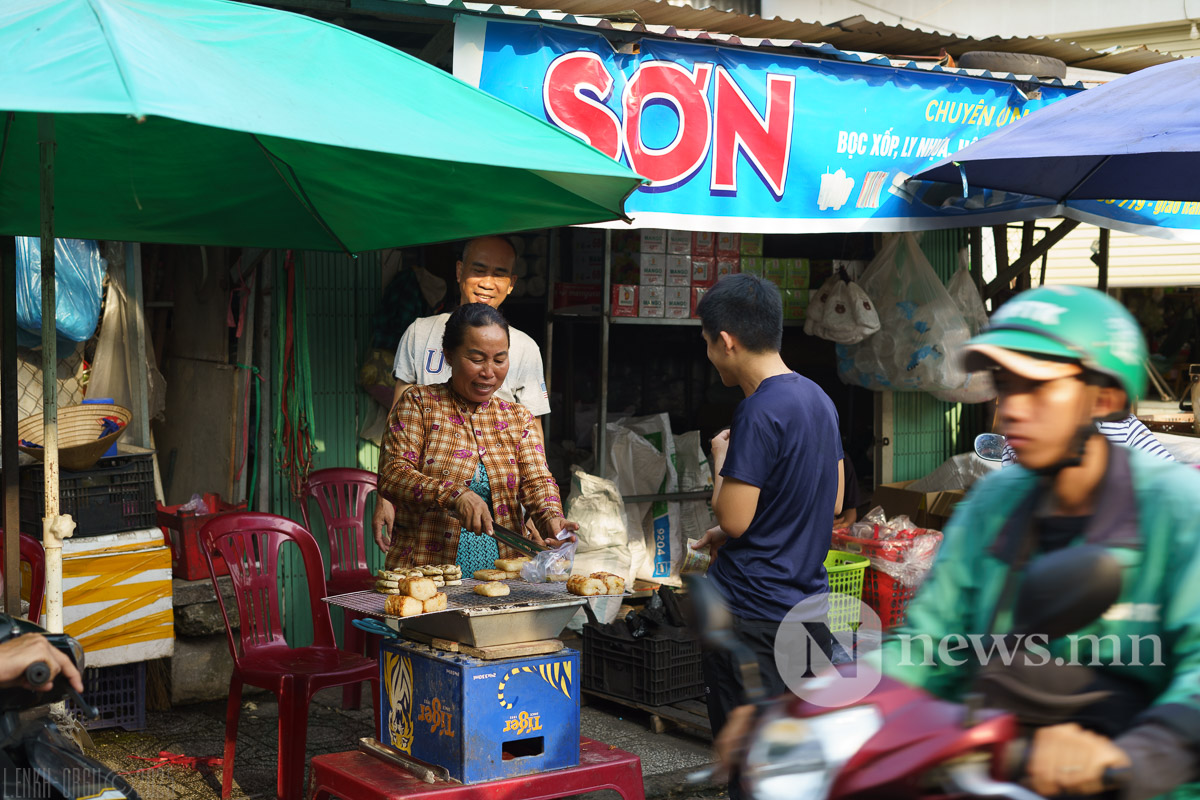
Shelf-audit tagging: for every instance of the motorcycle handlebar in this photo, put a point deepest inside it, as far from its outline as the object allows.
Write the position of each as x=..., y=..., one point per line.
x=37, y=673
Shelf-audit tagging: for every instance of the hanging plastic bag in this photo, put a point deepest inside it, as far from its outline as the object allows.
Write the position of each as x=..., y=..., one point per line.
x=921, y=327
x=550, y=565
x=78, y=286
x=850, y=315
x=975, y=387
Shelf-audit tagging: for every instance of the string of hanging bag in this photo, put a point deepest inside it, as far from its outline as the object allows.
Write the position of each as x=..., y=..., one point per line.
x=293, y=429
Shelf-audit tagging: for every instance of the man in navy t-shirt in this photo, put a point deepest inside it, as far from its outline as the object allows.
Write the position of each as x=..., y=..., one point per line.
x=778, y=482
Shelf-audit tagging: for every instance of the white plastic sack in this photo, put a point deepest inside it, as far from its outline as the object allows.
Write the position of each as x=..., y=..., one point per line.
x=976, y=387
x=957, y=472
x=659, y=520
x=695, y=475
x=921, y=327
x=850, y=315
x=595, y=503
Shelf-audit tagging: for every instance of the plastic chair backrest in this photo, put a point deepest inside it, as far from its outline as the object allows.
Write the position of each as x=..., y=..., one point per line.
x=341, y=494
x=250, y=543
x=34, y=555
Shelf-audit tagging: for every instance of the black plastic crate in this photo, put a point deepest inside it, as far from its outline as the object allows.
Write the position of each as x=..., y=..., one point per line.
x=118, y=693
x=652, y=671
x=115, y=495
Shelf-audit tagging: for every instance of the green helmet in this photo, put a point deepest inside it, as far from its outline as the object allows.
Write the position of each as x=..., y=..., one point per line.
x=1057, y=326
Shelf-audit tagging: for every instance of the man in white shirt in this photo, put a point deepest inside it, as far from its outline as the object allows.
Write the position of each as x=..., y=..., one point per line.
x=1129, y=432
x=485, y=275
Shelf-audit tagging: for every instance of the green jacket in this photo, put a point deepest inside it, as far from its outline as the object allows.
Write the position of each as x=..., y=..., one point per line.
x=1149, y=518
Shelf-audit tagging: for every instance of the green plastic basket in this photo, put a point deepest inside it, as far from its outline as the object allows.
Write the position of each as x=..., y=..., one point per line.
x=845, y=572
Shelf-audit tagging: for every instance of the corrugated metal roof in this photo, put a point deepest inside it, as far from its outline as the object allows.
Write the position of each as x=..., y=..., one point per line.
x=852, y=35
x=1132, y=260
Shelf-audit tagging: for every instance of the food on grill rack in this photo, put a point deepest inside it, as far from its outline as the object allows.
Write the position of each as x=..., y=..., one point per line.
x=450, y=572
x=456, y=582
x=420, y=588
x=430, y=571
x=388, y=587
x=586, y=587
x=436, y=603
x=557, y=577
x=401, y=605
x=398, y=574
x=490, y=575
x=511, y=564
x=512, y=576
x=492, y=589
x=614, y=584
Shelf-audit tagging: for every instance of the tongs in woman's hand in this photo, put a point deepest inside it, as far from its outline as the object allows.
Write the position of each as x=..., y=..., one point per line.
x=516, y=540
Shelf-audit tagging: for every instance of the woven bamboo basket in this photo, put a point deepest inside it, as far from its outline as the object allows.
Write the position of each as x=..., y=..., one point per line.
x=80, y=445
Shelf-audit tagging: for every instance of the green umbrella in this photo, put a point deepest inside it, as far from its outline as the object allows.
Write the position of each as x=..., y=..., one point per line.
x=212, y=122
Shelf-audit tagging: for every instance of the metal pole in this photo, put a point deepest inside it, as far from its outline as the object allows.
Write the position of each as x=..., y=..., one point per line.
x=9, y=453
x=1102, y=263
x=602, y=411
x=53, y=531
x=139, y=382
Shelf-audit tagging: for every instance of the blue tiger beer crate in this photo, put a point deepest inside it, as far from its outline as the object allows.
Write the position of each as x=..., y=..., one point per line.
x=481, y=720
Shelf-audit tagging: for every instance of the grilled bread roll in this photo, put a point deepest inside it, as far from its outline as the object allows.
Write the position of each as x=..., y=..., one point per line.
x=420, y=588
x=585, y=587
x=614, y=584
x=511, y=564
x=490, y=575
x=436, y=603
x=492, y=589
x=401, y=605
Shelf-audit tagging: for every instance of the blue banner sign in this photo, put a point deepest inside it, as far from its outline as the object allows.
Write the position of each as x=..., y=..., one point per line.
x=746, y=140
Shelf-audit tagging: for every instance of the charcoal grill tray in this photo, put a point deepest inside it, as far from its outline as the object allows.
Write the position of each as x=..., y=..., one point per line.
x=530, y=612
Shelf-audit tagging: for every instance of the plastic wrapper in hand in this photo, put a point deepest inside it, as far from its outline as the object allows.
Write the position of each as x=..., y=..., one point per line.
x=556, y=563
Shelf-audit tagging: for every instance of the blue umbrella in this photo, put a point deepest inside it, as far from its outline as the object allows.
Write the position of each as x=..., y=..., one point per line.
x=1137, y=137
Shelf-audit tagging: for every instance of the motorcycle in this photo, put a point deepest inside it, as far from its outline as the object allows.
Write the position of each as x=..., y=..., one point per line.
x=900, y=742
x=37, y=760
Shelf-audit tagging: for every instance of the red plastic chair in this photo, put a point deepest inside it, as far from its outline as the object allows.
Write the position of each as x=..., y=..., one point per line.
x=250, y=543
x=341, y=494
x=34, y=555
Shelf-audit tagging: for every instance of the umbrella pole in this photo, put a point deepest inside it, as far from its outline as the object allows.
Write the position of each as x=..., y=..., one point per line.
x=54, y=530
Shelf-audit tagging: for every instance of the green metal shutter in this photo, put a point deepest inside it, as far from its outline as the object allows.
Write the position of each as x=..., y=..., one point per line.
x=341, y=294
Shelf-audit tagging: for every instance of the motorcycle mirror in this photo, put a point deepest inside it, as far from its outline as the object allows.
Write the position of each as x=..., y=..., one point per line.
x=990, y=446
x=1066, y=590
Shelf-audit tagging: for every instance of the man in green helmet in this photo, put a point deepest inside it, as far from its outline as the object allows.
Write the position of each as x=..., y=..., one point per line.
x=1063, y=360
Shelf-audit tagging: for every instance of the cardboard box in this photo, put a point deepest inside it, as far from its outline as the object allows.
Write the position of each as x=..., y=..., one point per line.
x=626, y=268
x=727, y=267
x=583, y=298
x=795, y=303
x=926, y=509
x=752, y=244
x=647, y=240
x=796, y=273
x=677, y=303
x=587, y=256
x=729, y=244
x=704, y=244
x=773, y=271
x=651, y=300
x=704, y=270
x=624, y=301
x=752, y=265
x=679, y=271
x=679, y=243
x=652, y=269
x=697, y=294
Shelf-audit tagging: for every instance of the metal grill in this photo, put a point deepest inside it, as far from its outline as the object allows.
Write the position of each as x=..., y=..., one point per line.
x=463, y=598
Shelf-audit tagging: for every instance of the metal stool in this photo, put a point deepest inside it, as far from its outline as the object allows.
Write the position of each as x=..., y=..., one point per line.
x=354, y=775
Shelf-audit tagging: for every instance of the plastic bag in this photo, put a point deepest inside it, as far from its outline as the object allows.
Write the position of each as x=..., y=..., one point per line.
x=78, y=286
x=914, y=560
x=196, y=505
x=556, y=563
x=975, y=387
x=845, y=315
x=921, y=327
x=595, y=503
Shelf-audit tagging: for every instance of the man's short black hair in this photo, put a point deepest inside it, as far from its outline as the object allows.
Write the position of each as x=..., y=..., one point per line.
x=746, y=307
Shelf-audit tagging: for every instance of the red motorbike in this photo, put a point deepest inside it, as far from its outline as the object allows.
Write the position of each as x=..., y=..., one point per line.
x=899, y=742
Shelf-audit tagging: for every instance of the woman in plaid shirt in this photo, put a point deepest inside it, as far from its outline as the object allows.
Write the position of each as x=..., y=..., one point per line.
x=454, y=458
